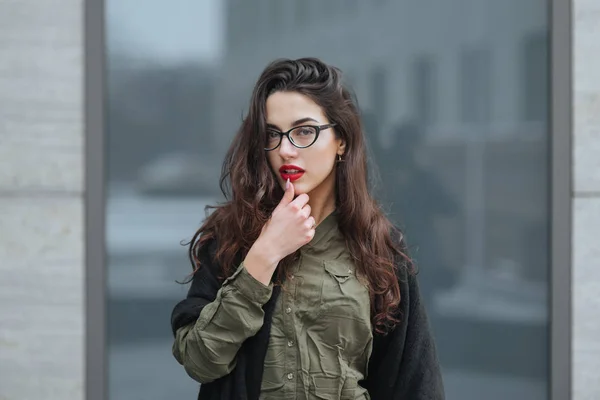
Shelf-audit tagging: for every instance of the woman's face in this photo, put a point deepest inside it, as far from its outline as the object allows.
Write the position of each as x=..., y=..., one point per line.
x=286, y=110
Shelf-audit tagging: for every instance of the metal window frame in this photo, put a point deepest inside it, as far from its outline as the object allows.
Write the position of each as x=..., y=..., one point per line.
x=96, y=367
x=560, y=106
x=560, y=120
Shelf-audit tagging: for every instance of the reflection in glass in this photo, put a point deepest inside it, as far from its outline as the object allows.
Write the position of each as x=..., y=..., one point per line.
x=454, y=101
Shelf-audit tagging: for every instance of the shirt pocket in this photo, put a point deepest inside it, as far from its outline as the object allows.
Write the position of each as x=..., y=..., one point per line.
x=326, y=387
x=344, y=294
x=340, y=279
x=338, y=270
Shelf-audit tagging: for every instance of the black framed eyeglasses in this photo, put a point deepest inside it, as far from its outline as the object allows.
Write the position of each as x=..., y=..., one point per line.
x=300, y=136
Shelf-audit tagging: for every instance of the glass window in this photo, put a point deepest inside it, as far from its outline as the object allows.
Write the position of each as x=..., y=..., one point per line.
x=277, y=15
x=302, y=13
x=423, y=82
x=378, y=92
x=447, y=90
x=475, y=85
x=534, y=78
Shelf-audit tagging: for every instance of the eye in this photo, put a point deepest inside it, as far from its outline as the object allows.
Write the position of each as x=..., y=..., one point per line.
x=306, y=130
x=272, y=134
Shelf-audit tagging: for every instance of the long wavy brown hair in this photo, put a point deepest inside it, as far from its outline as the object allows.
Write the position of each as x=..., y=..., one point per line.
x=252, y=192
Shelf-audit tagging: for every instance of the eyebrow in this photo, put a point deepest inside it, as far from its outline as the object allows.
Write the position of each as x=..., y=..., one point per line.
x=295, y=123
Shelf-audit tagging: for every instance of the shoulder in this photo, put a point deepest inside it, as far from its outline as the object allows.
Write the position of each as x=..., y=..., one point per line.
x=397, y=236
x=206, y=255
x=402, y=260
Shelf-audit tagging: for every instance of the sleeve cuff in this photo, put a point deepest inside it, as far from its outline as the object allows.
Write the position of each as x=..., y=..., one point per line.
x=248, y=286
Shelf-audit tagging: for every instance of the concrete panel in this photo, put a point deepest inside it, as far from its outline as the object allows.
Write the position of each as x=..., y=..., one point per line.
x=41, y=92
x=40, y=230
x=586, y=141
x=38, y=168
x=586, y=46
x=41, y=202
x=41, y=331
x=41, y=298
x=586, y=301
x=586, y=95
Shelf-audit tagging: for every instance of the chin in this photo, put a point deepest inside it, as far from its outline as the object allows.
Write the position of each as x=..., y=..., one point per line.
x=300, y=188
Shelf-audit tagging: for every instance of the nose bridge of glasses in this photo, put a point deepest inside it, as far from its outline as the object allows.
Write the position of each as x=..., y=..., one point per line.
x=286, y=146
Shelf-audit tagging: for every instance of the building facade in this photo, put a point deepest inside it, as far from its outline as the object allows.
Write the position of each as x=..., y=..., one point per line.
x=505, y=101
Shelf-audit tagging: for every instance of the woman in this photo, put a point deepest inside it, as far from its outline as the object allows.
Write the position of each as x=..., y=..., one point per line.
x=301, y=288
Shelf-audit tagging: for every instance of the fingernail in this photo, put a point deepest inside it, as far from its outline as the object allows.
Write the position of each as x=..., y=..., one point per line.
x=287, y=184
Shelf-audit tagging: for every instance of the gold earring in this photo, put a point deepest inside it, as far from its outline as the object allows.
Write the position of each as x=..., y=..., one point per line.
x=339, y=158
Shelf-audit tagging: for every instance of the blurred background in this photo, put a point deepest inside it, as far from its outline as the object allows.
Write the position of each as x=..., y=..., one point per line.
x=454, y=96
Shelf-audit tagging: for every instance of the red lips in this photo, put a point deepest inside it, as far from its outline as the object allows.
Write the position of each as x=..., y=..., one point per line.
x=291, y=172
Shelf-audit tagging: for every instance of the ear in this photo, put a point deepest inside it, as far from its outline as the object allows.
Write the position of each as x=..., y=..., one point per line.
x=341, y=147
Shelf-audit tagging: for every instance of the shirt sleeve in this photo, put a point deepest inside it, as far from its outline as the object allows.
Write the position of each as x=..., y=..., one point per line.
x=207, y=348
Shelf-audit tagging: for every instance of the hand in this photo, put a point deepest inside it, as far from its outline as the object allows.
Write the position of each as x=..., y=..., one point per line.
x=290, y=227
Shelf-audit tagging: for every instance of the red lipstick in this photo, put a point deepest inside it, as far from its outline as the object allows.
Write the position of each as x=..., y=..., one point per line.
x=291, y=172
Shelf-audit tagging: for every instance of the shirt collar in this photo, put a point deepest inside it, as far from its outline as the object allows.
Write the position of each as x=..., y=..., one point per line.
x=325, y=229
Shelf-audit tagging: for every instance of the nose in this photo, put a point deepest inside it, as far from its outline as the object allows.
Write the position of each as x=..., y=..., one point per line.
x=287, y=149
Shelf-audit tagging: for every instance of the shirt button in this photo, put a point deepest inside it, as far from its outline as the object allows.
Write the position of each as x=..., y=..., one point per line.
x=288, y=310
x=290, y=376
x=290, y=343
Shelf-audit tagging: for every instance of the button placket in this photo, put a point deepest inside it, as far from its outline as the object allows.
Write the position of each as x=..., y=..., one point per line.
x=291, y=358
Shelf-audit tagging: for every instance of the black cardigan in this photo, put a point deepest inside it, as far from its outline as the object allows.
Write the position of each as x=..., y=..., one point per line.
x=403, y=363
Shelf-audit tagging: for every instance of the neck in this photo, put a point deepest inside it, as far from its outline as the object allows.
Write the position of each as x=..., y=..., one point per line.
x=321, y=202
x=320, y=211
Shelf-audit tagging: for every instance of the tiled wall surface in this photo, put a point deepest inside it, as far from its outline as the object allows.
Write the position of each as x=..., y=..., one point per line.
x=41, y=200
x=586, y=201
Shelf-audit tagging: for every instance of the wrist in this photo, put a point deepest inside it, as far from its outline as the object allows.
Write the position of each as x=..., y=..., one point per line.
x=264, y=253
x=260, y=263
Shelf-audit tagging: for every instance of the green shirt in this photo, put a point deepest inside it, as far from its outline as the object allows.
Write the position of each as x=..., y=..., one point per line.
x=321, y=334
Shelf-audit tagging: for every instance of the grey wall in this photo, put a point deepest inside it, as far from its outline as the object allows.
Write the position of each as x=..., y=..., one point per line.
x=41, y=200
x=586, y=202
